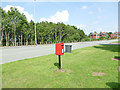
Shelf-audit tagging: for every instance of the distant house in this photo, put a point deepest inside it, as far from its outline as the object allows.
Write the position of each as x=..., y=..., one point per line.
x=94, y=36
x=115, y=35
x=97, y=36
x=104, y=34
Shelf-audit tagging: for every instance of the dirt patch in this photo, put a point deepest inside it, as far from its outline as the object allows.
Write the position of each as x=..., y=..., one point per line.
x=66, y=71
x=61, y=70
x=98, y=74
x=116, y=59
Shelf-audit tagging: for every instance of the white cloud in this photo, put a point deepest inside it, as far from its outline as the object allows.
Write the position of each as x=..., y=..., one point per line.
x=58, y=17
x=91, y=12
x=84, y=7
x=21, y=10
x=99, y=10
x=81, y=26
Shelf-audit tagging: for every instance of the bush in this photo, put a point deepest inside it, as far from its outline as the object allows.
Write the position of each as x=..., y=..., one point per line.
x=102, y=38
x=85, y=39
x=94, y=39
x=115, y=37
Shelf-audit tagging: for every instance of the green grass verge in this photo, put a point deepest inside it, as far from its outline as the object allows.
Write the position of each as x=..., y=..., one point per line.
x=78, y=66
x=116, y=42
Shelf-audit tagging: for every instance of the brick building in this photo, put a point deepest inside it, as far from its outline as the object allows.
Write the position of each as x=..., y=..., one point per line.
x=115, y=35
x=97, y=36
x=94, y=35
x=104, y=34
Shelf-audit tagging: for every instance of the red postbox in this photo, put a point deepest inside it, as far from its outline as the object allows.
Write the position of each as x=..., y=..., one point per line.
x=59, y=48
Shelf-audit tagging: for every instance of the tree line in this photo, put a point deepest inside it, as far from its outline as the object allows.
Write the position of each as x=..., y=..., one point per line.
x=15, y=30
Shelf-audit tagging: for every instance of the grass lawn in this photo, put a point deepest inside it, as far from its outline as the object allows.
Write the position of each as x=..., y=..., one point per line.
x=78, y=68
x=116, y=42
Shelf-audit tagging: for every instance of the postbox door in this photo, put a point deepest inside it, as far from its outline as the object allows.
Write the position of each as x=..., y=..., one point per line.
x=59, y=49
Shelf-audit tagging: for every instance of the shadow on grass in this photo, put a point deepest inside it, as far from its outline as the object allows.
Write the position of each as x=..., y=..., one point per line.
x=56, y=64
x=117, y=57
x=113, y=48
x=113, y=85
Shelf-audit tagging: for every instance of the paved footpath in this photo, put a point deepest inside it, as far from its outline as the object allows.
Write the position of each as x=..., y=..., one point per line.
x=9, y=54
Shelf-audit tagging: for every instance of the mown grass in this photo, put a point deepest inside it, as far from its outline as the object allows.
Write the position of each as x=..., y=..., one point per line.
x=78, y=66
x=116, y=42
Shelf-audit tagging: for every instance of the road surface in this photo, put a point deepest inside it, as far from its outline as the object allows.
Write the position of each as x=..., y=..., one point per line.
x=9, y=54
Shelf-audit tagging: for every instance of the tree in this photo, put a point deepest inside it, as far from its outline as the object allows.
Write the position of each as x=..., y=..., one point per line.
x=5, y=23
x=95, y=32
x=16, y=30
x=31, y=31
x=1, y=32
x=15, y=18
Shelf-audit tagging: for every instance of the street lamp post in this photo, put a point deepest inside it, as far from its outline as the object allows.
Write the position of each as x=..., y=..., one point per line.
x=35, y=25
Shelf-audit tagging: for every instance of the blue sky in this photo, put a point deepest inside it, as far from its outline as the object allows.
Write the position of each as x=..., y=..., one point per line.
x=89, y=16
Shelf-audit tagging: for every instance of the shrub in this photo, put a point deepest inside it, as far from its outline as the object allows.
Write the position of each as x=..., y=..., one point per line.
x=102, y=38
x=94, y=39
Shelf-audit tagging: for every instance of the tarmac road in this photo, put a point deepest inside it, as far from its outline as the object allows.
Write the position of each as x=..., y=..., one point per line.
x=10, y=54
